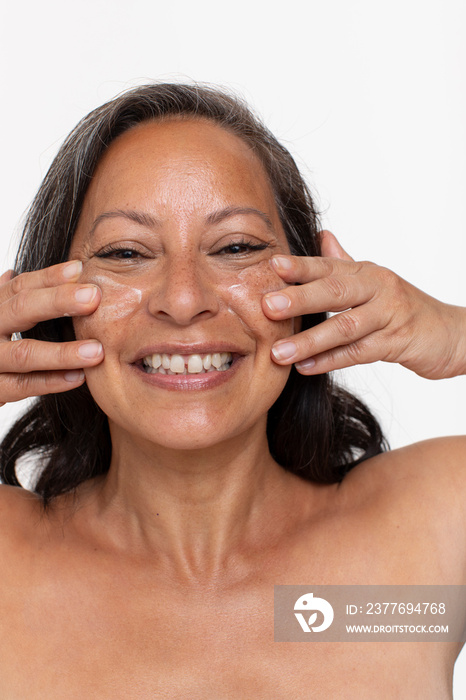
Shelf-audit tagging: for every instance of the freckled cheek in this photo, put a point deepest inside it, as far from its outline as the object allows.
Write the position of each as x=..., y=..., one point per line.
x=119, y=302
x=243, y=295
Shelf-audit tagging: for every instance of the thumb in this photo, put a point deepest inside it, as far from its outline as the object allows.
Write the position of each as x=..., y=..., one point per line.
x=331, y=248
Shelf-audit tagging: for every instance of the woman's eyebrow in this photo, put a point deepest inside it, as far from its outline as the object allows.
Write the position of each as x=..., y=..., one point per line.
x=138, y=217
x=218, y=216
x=149, y=221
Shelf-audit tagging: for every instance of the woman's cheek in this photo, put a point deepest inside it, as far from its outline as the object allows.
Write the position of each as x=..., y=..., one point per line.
x=119, y=301
x=243, y=295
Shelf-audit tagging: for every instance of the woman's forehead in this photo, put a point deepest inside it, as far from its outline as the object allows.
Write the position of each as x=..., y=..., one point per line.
x=194, y=142
x=179, y=164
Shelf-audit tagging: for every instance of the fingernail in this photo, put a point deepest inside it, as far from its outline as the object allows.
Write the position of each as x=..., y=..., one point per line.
x=281, y=262
x=284, y=351
x=305, y=364
x=277, y=302
x=90, y=350
x=75, y=375
x=74, y=269
x=84, y=295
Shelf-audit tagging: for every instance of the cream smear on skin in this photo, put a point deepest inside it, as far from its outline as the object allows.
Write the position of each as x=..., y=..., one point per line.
x=266, y=280
x=209, y=226
x=118, y=299
x=121, y=300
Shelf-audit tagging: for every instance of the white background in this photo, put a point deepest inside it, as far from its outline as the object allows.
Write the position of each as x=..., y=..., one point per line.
x=369, y=97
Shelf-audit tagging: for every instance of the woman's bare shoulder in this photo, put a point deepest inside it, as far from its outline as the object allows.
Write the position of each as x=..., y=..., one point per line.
x=20, y=513
x=414, y=500
x=442, y=460
x=427, y=476
x=14, y=497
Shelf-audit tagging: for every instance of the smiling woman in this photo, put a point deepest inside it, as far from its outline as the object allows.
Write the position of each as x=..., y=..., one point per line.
x=172, y=290
x=199, y=151
x=201, y=267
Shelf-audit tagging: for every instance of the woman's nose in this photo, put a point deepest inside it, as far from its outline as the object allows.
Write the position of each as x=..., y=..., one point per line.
x=183, y=293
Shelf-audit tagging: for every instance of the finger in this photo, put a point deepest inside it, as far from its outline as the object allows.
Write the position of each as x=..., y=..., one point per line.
x=7, y=276
x=24, y=356
x=299, y=269
x=47, y=277
x=334, y=293
x=363, y=352
x=331, y=248
x=15, y=387
x=30, y=306
x=341, y=329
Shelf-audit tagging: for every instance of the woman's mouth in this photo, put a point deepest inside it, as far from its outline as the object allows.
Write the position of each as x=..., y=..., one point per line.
x=187, y=364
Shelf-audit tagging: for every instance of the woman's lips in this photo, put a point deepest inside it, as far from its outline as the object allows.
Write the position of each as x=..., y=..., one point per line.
x=194, y=348
x=205, y=379
x=187, y=364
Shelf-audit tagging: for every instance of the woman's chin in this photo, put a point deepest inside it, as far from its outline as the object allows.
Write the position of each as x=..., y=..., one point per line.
x=187, y=437
x=185, y=413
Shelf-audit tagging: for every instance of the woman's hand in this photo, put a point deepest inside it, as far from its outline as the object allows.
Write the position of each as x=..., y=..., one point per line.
x=378, y=316
x=32, y=367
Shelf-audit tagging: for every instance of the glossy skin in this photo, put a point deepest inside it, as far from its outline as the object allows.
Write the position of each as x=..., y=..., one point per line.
x=194, y=282
x=157, y=579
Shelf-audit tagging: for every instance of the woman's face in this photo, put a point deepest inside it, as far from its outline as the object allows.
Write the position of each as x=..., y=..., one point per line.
x=177, y=229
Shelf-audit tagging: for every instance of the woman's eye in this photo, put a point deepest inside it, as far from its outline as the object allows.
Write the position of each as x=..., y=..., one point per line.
x=119, y=253
x=242, y=248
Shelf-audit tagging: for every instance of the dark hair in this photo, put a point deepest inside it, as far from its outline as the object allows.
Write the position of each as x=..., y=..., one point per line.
x=315, y=429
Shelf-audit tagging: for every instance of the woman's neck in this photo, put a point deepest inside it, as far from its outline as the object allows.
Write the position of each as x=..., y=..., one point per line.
x=197, y=511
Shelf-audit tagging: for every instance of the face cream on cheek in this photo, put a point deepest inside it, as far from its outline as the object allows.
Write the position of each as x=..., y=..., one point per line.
x=244, y=298
x=118, y=301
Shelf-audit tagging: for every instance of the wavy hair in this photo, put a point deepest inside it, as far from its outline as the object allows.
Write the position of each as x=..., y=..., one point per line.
x=315, y=428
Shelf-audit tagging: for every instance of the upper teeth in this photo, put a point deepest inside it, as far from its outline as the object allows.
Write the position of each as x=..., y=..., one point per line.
x=187, y=364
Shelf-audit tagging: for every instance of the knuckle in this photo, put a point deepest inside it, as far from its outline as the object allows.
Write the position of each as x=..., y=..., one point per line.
x=337, y=288
x=15, y=387
x=300, y=267
x=308, y=342
x=307, y=346
x=18, y=303
x=348, y=325
x=63, y=354
x=299, y=295
x=23, y=382
x=366, y=265
x=365, y=268
x=21, y=352
x=387, y=277
x=17, y=283
x=51, y=275
x=57, y=298
x=328, y=265
x=49, y=382
x=33, y=384
x=6, y=277
x=354, y=352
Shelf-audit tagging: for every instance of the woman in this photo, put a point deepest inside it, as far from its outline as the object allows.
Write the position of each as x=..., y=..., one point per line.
x=194, y=469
